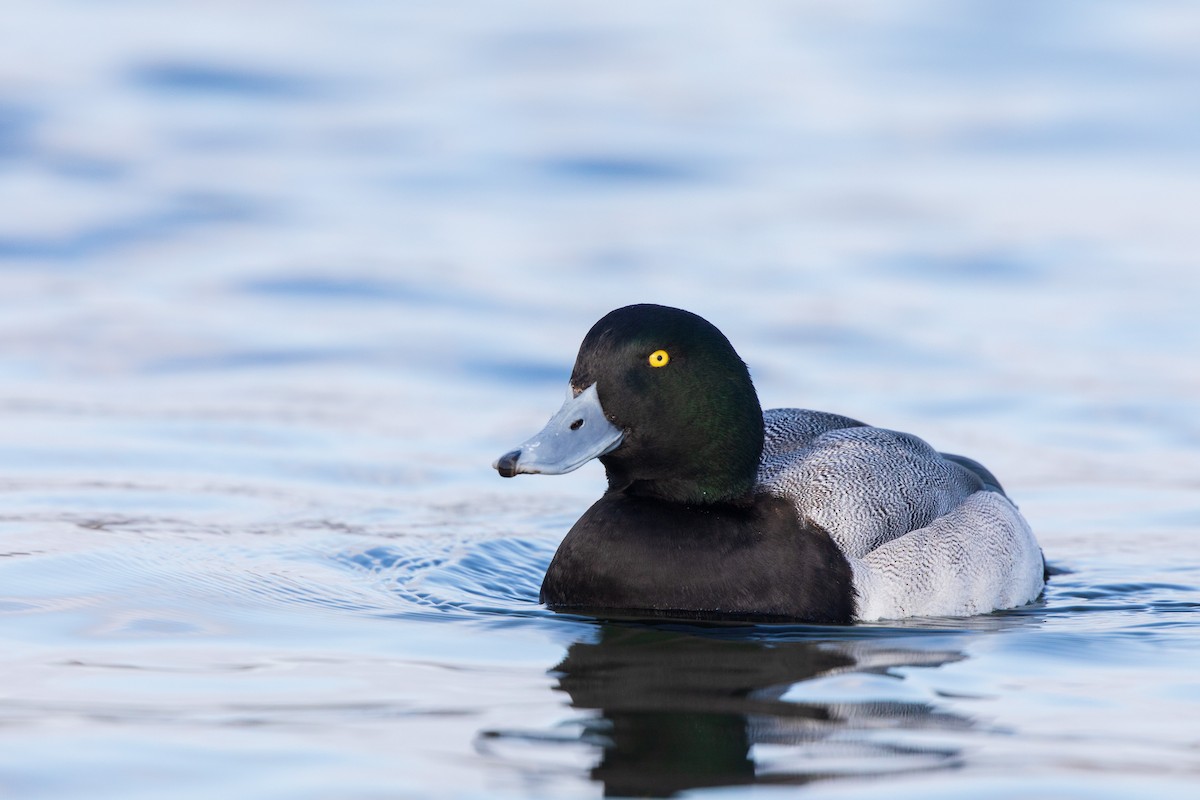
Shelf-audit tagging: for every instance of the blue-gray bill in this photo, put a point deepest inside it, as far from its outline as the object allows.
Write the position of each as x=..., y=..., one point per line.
x=577, y=433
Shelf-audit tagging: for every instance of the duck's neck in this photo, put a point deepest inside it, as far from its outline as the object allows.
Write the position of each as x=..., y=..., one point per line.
x=707, y=487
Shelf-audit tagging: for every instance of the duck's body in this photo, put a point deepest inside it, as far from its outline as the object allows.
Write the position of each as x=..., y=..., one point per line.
x=716, y=509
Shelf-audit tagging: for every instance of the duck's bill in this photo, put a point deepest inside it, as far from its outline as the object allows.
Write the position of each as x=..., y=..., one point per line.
x=579, y=432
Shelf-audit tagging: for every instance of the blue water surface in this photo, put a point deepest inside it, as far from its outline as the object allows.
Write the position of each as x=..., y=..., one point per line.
x=279, y=281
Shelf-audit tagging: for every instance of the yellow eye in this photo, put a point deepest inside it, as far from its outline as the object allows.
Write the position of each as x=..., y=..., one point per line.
x=659, y=358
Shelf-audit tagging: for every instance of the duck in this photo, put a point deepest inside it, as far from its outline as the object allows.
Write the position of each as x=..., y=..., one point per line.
x=717, y=509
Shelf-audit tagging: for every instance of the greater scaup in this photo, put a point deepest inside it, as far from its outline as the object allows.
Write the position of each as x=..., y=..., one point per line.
x=715, y=509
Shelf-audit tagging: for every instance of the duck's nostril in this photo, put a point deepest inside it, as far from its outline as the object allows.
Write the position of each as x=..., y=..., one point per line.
x=577, y=424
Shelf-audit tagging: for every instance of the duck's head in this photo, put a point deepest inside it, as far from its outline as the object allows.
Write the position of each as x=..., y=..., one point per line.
x=662, y=399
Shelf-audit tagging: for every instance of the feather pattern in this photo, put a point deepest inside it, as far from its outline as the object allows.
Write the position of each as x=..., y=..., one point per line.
x=925, y=534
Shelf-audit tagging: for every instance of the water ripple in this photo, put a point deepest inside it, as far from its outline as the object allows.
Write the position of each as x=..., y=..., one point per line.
x=177, y=215
x=223, y=80
x=494, y=577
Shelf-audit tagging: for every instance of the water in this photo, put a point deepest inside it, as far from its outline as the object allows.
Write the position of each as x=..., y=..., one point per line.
x=279, y=281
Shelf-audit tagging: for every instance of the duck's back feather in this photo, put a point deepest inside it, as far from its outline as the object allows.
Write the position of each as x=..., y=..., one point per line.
x=924, y=533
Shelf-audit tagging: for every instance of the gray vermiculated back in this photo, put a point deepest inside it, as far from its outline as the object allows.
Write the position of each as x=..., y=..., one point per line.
x=924, y=534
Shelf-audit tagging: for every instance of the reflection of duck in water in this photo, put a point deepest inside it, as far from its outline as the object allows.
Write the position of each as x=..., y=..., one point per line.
x=682, y=710
x=718, y=510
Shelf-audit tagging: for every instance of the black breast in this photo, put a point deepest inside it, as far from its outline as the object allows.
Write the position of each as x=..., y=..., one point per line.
x=637, y=554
